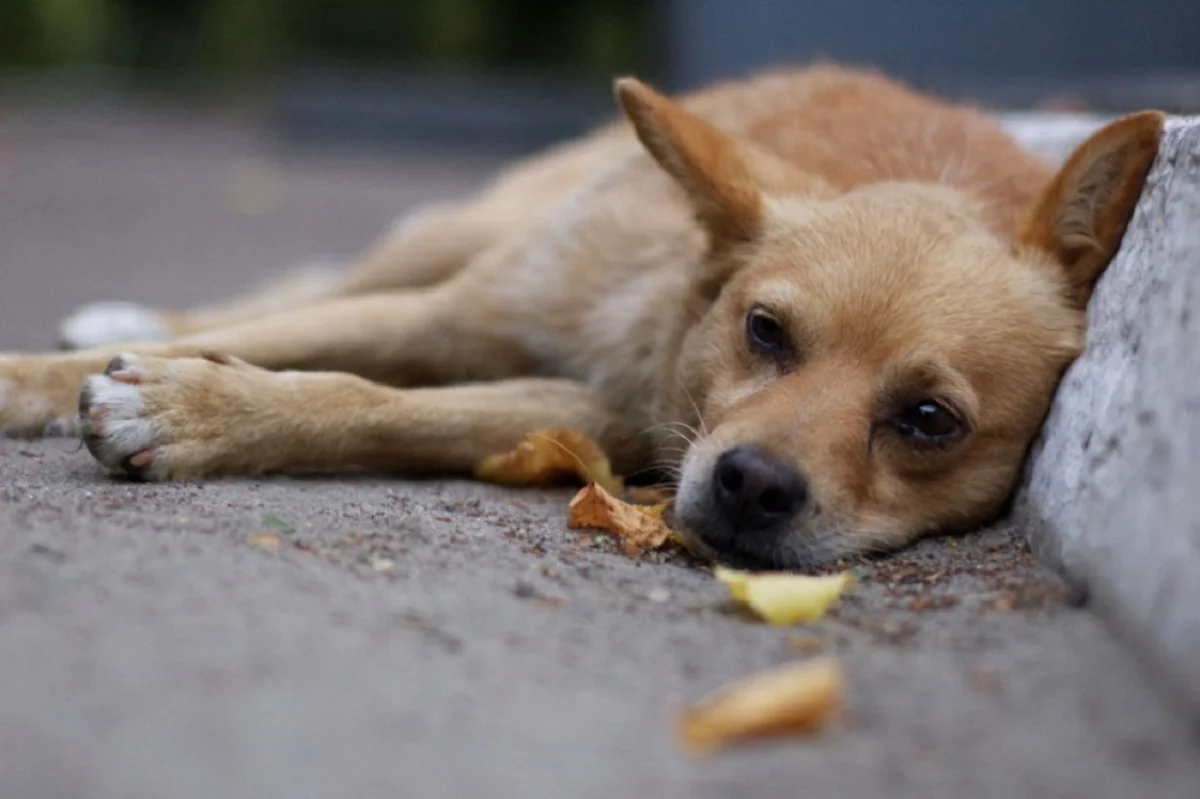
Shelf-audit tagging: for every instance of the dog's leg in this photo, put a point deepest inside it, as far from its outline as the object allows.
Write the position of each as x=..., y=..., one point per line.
x=297, y=288
x=156, y=418
x=409, y=338
x=426, y=248
x=423, y=249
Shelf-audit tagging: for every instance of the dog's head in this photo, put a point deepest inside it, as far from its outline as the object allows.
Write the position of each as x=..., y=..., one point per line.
x=872, y=366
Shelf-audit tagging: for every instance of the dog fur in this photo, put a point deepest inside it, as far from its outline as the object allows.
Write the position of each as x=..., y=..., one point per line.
x=835, y=309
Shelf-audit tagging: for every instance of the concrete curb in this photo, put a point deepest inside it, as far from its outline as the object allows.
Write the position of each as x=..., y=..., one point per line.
x=1112, y=492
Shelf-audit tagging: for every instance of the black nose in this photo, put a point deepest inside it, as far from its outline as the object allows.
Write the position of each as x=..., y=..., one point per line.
x=753, y=491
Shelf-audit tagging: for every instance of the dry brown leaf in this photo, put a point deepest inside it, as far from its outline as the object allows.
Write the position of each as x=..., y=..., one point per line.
x=266, y=540
x=639, y=527
x=550, y=456
x=797, y=699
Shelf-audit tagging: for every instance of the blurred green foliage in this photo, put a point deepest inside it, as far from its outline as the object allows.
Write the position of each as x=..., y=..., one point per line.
x=49, y=31
x=250, y=37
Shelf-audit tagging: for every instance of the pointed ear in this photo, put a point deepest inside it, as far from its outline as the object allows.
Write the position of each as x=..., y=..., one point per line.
x=1081, y=216
x=703, y=160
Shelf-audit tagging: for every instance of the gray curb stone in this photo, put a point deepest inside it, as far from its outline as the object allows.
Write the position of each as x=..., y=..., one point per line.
x=1112, y=492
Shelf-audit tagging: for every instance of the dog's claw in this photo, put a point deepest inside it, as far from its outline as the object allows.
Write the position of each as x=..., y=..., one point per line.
x=122, y=370
x=140, y=460
x=134, y=466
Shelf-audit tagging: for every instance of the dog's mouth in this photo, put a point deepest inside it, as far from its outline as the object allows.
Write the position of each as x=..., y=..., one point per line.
x=786, y=549
x=744, y=509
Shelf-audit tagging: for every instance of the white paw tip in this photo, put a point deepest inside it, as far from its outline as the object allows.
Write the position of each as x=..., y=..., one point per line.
x=122, y=429
x=120, y=399
x=105, y=323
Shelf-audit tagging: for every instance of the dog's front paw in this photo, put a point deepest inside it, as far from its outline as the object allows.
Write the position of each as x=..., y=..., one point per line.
x=37, y=396
x=176, y=418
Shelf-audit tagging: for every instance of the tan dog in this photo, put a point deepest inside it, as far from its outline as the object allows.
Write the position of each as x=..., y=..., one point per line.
x=837, y=309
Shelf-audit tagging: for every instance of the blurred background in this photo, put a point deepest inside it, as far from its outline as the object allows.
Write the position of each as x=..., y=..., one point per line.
x=517, y=73
x=171, y=151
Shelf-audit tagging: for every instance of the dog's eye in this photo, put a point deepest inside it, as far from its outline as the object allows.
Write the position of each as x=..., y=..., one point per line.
x=765, y=333
x=928, y=422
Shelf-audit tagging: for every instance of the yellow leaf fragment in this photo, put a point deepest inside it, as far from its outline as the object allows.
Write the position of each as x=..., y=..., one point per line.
x=266, y=540
x=639, y=527
x=550, y=456
x=797, y=699
x=735, y=581
x=784, y=599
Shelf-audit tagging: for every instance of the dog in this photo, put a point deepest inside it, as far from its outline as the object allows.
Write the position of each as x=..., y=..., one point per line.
x=834, y=308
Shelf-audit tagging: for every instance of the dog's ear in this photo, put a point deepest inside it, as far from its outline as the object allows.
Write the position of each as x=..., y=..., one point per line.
x=703, y=160
x=1080, y=218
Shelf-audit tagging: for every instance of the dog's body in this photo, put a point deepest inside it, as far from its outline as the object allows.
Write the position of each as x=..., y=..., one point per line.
x=858, y=299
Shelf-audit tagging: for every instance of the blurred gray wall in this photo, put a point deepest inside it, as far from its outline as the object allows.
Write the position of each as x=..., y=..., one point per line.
x=1106, y=55
x=937, y=43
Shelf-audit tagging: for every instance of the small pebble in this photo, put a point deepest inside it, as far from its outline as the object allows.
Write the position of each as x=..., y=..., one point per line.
x=658, y=595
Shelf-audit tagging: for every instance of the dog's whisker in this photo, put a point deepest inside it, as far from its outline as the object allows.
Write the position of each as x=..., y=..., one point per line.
x=671, y=423
x=676, y=429
x=668, y=466
x=671, y=460
x=699, y=416
x=642, y=471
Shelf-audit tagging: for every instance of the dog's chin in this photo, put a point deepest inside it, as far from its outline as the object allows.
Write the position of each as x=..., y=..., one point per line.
x=787, y=550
